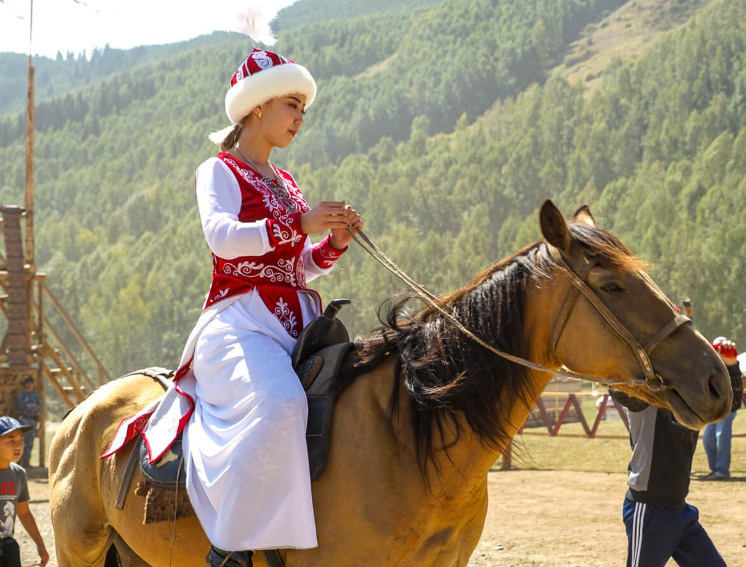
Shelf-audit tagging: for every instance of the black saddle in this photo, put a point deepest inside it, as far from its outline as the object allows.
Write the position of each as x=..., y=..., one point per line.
x=317, y=358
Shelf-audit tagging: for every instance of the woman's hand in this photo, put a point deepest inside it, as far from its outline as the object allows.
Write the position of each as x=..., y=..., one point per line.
x=327, y=215
x=340, y=238
x=335, y=216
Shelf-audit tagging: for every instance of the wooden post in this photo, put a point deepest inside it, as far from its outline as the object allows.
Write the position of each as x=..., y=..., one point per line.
x=17, y=286
x=29, y=187
x=40, y=385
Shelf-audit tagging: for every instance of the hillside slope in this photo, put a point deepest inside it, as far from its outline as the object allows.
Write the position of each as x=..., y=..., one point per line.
x=624, y=34
x=447, y=138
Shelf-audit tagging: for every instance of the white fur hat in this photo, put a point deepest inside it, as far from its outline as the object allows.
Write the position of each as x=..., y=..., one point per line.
x=265, y=75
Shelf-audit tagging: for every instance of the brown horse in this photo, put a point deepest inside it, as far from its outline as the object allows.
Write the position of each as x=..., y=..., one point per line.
x=424, y=410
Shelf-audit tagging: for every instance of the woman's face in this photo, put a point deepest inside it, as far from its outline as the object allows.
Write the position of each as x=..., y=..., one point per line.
x=282, y=118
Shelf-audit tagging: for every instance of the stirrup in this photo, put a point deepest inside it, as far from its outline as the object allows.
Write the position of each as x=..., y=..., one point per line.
x=220, y=558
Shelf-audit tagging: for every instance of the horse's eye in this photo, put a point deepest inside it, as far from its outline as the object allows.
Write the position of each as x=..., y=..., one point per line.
x=610, y=288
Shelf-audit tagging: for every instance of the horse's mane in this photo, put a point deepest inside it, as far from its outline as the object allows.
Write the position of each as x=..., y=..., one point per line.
x=445, y=373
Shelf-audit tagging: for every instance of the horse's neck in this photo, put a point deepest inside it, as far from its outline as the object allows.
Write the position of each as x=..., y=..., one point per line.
x=467, y=458
x=460, y=465
x=461, y=470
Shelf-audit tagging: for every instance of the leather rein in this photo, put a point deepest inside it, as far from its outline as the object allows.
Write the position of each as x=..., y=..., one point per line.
x=652, y=380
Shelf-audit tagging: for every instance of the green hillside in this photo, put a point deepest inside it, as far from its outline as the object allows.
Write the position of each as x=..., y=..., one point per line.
x=304, y=12
x=446, y=123
x=68, y=71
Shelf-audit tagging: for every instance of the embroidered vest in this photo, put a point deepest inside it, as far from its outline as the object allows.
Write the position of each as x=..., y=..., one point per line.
x=280, y=273
x=277, y=276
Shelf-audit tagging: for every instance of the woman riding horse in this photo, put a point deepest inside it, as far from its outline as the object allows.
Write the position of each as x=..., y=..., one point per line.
x=425, y=410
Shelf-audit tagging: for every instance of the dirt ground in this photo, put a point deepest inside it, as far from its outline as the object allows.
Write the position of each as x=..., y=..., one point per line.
x=573, y=519
x=539, y=519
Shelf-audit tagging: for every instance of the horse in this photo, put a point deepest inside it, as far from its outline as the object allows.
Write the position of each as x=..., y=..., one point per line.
x=424, y=410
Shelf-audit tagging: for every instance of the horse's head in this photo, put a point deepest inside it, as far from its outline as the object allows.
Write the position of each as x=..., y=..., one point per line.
x=611, y=321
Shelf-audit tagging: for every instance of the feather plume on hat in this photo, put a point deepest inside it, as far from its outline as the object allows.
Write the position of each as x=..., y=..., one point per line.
x=254, y=18
x=254, y=21
x=264, y=74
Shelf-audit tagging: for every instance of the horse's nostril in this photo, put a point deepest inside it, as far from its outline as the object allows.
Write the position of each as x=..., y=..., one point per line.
x=715, y=394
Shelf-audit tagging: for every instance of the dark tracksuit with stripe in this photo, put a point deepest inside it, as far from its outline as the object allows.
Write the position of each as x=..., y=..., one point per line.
x=660, y=524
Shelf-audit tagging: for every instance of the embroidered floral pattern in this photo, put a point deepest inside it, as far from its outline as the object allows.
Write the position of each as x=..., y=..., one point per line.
x=284, y=233
x=257, y=61
x=220, y=295
x=140, y=423
x=262, y=60
x=274, y=203
x=300, y=273
x=279, y=274
x=324, y=254
x=327, y=256
x=286, y=317
x=282, y=272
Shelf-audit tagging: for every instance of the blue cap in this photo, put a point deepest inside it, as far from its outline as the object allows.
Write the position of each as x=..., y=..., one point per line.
x=8, y=425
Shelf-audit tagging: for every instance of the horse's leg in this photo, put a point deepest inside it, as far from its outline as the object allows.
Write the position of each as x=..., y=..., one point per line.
x=127, y=557
x=112, y=558
x=82, y=535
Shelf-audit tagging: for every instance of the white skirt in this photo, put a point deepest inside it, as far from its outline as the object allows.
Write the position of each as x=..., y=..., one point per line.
x=245, y=450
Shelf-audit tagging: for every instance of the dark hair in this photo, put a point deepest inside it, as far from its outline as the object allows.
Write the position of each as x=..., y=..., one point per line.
x=230, y=140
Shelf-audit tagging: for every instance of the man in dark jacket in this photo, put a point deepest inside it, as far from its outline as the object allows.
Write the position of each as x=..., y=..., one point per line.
x=660, y=523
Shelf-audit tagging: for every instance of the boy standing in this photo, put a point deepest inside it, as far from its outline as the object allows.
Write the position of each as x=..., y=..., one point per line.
x=14, y=496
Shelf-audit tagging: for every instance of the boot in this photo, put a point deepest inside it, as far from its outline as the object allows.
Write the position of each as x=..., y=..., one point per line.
x=219, y=558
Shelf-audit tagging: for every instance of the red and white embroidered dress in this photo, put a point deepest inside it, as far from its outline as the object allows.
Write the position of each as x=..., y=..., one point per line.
x=236, y=396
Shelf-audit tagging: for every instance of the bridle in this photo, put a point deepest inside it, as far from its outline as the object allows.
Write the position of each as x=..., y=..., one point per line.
x=652, y=381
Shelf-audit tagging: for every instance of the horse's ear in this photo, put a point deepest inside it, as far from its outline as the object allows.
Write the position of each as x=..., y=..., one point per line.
x=553, y=226
x=583, y=214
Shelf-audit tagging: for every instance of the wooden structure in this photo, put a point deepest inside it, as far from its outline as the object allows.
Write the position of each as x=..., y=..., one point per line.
x=572, y=400
x=32, y=346
x=551, y=406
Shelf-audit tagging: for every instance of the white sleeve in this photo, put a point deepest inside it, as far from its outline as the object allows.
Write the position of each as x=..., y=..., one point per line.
x=313, y=270
x=219, y=202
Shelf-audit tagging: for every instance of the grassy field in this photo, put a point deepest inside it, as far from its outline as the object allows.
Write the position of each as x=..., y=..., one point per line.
x=609, y=452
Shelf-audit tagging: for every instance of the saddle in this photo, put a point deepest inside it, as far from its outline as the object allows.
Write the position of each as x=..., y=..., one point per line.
x=317, y=358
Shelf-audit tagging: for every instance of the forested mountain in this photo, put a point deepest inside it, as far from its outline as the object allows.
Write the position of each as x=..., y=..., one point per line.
x=444, y=122
x=70, y=70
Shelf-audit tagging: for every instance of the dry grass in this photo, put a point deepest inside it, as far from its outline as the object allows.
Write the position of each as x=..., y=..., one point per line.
x=624, y=34
x=609, y=452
